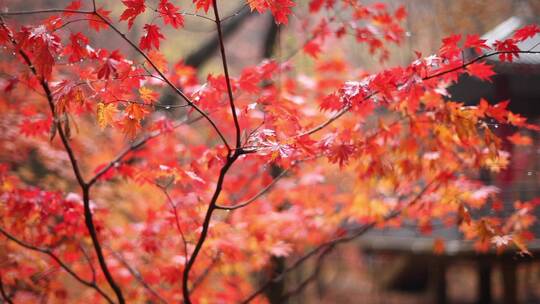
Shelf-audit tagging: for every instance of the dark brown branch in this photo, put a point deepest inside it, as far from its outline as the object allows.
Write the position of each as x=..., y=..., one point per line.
x=226, y=72
x=201, y=55
x=67, y=146
x=63, y=265
x=5, y=297
x=230, y=159
x=134, y=146
x=232, y=156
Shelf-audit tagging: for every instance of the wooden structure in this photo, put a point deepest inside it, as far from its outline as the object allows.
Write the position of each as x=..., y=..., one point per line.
x=520, y=82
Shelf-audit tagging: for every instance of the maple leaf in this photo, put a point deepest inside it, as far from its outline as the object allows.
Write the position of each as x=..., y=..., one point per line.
x=258, y=5
x=96, y=23
x=74, y=5
x=135, y=111
x=312, y=48
x=438, y=246
x=151, y=37
x=134, y=9
x=147, y=95
x=518, y=139
x=159, y=60
x=204, y=4
x=508, y=48
x=474, y=42
x=281, y=9
x=315, y=5
x=481, y=70
x=449, y=49
x=130, y=126
x=110, y=64
x=170, y=14
x=77, y=48
x=526, y=32
x=105, y=114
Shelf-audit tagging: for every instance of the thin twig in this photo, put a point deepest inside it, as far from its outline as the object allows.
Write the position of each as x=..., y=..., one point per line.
x=174, y=208
x=438, y=74
x=330, y=245
x=137, y=275
x=167, y=80
x=134, y=146
x=262, y=192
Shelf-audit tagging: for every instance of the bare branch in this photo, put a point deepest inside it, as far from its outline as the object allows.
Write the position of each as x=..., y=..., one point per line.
x=226, y=72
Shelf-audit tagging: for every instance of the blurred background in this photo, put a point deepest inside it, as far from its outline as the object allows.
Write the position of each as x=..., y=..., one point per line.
x=406, y=266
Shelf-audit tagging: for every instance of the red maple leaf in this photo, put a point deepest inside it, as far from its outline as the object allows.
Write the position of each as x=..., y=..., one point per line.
x=96, y=23
x=526, y=32
x=508, y=49
x=170, y=14
x=474, y=42
x=77, y=48
x=151, y=38
x=281, y=9
x=481, y=70
x=204, y=4
x=134, y=9
x=75, y=5
x=449, y=49
x=312, y=48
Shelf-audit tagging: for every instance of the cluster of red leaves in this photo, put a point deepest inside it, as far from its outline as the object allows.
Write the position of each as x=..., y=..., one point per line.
x=293, y=129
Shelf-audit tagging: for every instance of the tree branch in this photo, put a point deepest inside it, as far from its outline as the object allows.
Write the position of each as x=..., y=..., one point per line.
x=226, y=72
x=84, y=187
x=328, y=246
x=3, y=293
x=438, y=74
x=262, y=192
x=63, y=265
x=167, y=80
x=137, y=275
x=134, y=146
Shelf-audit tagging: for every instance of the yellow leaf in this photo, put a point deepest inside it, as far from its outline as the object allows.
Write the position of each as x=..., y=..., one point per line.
x=130, y=126
x=147, y=95
x=159, y=60
x=135, y=111
x=105, y=114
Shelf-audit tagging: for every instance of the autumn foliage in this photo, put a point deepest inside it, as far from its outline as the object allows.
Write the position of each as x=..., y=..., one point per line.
x=110, y=193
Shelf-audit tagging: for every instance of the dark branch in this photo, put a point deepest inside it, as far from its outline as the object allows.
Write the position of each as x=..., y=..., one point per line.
x=63, y=265
x=67, y=146
x=226, y=72
x=328, y=246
